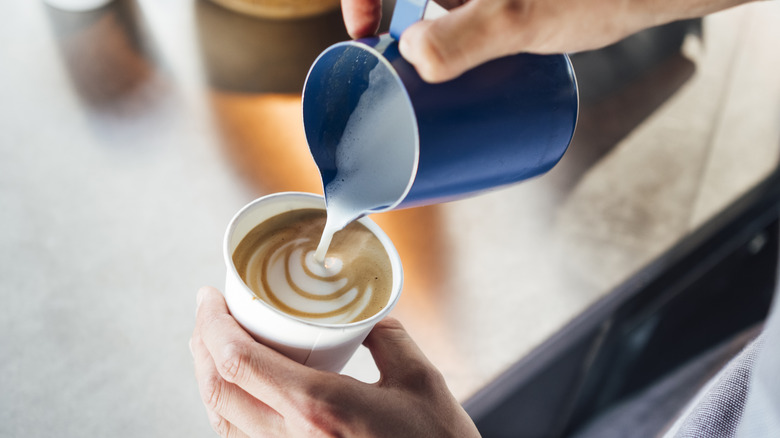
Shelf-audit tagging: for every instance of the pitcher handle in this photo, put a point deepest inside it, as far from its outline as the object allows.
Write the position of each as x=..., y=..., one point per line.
x=406, y=13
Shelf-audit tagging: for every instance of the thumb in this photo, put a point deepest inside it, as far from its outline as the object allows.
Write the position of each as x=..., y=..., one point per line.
x=444, y=48
x=394, y=351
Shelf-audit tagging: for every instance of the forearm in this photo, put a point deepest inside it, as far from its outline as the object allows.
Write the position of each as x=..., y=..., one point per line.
x=656, y=12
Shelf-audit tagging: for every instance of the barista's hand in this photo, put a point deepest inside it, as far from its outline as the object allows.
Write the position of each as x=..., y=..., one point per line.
x=477, y=31
x=250, y=390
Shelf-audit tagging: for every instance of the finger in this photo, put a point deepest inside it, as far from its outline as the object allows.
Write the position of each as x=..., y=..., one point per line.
x=223, y=427
x=361, y=17
x=239, y=359
x=398, y=358
x=444, y=48
x=226, y=401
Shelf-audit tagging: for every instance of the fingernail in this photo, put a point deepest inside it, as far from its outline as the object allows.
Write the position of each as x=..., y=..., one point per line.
x=189, y=344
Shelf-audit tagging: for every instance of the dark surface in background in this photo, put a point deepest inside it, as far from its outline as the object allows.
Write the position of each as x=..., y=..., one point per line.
x=712, y=286
x=604, y=72
x=619, y=87
x=248, y=54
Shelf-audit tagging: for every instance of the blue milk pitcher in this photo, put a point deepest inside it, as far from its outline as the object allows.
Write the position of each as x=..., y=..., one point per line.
x=366, y=109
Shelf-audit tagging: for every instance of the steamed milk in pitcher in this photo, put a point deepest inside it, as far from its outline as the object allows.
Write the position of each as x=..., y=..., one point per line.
x=374, y=159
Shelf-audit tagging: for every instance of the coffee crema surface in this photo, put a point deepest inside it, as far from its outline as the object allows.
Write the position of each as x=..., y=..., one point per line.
x=276, y=260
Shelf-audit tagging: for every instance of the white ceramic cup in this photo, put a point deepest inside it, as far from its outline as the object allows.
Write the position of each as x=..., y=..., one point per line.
x=322, y=346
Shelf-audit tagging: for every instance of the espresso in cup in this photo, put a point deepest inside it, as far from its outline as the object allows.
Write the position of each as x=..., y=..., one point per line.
x=276, y=261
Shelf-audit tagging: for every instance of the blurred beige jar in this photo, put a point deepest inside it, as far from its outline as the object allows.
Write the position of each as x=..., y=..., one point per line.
x=280, y=9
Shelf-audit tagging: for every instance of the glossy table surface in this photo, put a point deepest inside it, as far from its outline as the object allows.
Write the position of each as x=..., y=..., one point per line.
x=133, y=133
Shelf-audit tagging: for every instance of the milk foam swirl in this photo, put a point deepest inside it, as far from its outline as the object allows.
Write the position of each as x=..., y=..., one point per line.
x=278, y=264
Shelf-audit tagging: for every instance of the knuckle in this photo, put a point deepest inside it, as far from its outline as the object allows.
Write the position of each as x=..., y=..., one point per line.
x=518, y=19
x=434, y=47
x=423, y=378
x=515, y=12
x=321, y=427
x=235, y=362
x=323, y=410
x=213, y=392
x=219, y=425
x=233, y=432
x=436, y=61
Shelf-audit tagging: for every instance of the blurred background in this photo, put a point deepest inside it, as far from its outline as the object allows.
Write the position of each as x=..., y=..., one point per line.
x=133, y=132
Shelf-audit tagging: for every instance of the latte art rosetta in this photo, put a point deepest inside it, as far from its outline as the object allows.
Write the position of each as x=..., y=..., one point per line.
x=276, y=260
x=288, y=277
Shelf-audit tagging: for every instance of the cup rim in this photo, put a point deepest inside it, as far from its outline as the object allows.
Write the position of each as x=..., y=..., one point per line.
x=395, y=262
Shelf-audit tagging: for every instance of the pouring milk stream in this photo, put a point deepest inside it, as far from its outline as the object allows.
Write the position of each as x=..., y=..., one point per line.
x=354, y=190
x=369, y=129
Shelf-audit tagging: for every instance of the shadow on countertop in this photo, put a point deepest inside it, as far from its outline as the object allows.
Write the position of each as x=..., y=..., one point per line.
x=620, y=86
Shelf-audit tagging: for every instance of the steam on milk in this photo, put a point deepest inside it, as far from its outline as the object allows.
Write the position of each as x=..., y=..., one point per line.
x=375, y=157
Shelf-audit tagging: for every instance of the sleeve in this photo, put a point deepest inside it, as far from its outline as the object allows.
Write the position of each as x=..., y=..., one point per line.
x=743, y=399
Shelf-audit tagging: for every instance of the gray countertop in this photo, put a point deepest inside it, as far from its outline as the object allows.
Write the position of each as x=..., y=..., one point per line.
x=132, y=134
